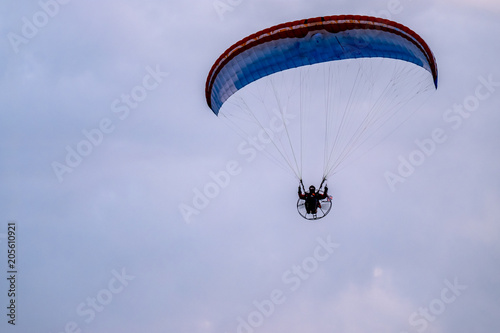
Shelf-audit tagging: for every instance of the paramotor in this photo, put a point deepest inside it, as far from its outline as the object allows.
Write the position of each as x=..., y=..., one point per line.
x=318, y=93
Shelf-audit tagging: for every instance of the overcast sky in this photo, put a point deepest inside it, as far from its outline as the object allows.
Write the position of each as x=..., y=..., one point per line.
x=102, y=244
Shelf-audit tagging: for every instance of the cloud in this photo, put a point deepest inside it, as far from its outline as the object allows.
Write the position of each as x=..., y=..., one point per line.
x=119, y=208
x=486, y=5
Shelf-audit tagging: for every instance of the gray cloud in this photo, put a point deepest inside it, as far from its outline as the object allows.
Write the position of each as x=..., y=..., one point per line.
x=119, y=208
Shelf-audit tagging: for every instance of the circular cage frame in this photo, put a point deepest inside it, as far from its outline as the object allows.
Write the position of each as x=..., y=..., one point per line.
x=325, y=205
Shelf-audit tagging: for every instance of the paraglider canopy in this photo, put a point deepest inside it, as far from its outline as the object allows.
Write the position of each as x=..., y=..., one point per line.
x=311, y=41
